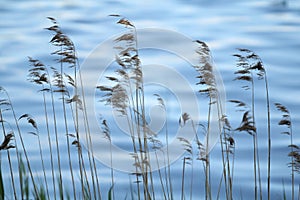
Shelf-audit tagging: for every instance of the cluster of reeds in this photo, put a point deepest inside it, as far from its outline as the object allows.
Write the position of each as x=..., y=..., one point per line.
x=58, y=87
x=248, y=65
x=126, y=96
x=294, y=153
x=64, y=104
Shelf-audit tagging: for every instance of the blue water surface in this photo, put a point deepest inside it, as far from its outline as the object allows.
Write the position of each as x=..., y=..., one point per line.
x=269, y=28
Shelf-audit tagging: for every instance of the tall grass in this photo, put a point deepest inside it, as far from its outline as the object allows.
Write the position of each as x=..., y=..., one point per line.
x=294, y=149
x=127, y=97
x=31, y=121
x=247, y=62
x=6, y=145
x=6, y=104
x=126, y=93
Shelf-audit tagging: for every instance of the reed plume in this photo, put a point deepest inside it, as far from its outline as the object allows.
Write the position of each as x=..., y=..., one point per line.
x=107, y=134
x=187, y=157
x=6, y=101
x=126, y=96
x=208, y=86
x=33, y=123
x=6, y=145
x=38, y=74
x=294, y=153
x=68, y=60
x=248, y=64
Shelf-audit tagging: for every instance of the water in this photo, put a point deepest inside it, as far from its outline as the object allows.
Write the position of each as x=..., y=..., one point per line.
x=269, y=28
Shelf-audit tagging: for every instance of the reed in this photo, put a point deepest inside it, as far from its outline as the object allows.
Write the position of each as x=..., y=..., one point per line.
x=68, y=59
x=294, y=153
x=24, y=180
x=157, y=145
x=208, y=86
x=227, y=153
x=6, y=145
x=65, y=57
x=187, y=157
x=2, y=191
x=244, y=73
x=261, y=72
x=33, y=123
x=10, y=107
x=107, y=135
x=39, y=75
x=127, y=97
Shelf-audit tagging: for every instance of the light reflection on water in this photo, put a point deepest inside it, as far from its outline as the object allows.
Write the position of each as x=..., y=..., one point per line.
x=268, y=28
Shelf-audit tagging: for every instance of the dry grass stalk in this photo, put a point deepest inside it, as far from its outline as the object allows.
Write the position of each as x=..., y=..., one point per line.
x=7, y=102
x=6, y=145
x=249, y=64
x=294, y=153
x=33, y=123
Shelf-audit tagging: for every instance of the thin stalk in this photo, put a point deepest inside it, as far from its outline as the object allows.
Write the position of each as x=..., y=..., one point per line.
x=132, y=132
x=49, y=142
x=76, y=127
x=230, y=169
x=166, y=179
x=192, y=180
x=140, y=98
x=269, y=136
x=160, y=177
x=23, y=145
x=107, y=135
x=292, y=163
x=92, y=163
x=230, y=172
x=222, y=143
x=254, y=138
x=67, y=132
x=207, y=166
x=76, y=121
x=254, y=165
x=143, y=146
x=129, y=120
x=299, y=192
x=89, y=140
x=131, y=188
x=17, y=150
x=146, y=148
x=136, y=161
x=87, y=189
x=255, y=145
x=80, y=167
x=219, y=188
x=43, y=164
x=141, y=151
x=169, y=164
x=111, y=169
x=9, y=159
x=283, y=190
x=56, y=134
x=182, y=179
x=222, y=123
x=258, y=171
